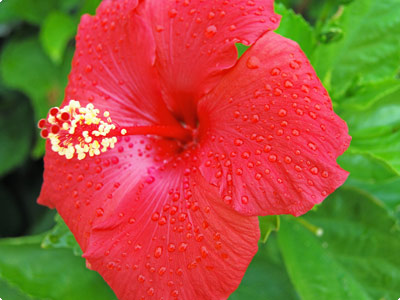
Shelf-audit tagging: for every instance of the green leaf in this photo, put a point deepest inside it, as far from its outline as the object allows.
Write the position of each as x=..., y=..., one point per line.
x=294, y=27
x=61, y=237
x=49, y=273
x=367, y=95
x=89, y=7
x=369, y=50
x=386, y=192
x=376, y=130
x=15, y=139
x=25, y=66
x=366, y=167
x=57, y=30
x=7, y=11
x=8, y=292
x=32, y=12
x=10, y=220
x=268, y=224
x=356, y=257
x=266, y=277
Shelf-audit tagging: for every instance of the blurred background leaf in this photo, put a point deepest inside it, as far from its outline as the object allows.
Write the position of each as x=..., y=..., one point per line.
x=49, y=273
x=57, y=30
x=61, y=237
x=266, y=277
x=356, y=257
x=369, y=50
x=16, y=140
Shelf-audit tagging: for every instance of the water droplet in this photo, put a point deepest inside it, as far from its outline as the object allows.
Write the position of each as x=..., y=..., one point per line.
x=182, y=247
x=282, y=112
x=162, y=220
x=150, y=179
x=159, y=28
x=155, y=216
x=295, y=64
x=305, y=89
x=288, y=84
x=314, y=170
x=238, y=142
x=313, y=115
x=246, y=155
x=100, y=212
x=141, y=278
x=150, y=291
x=267, y=148
x=171, y=247
x=158, y=252
x=253, y=62
x=239, y=171
x=288, y=160
x=228, y=199
x=275, y=71
x=255, y=118
x=325, y=174
x=210, y=31
x=162, y=270
x=272, y=158
x=312, y=146
x=278, y=92
x=172, y=13
x=88, y=69
x=295, y=132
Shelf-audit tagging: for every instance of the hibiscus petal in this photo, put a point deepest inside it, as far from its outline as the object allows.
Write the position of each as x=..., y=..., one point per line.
x=270, y=133
x=113, y=66
x=195, y=43
x=173, y=238
x=86, y=192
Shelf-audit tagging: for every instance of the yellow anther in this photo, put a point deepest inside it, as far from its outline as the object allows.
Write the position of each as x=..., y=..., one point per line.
x=84, y=133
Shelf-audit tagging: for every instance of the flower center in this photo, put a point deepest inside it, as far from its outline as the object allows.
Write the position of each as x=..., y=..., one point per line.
x=76, y=131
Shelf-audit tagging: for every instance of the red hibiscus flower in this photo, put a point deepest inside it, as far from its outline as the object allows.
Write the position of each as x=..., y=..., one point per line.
x=171, y=147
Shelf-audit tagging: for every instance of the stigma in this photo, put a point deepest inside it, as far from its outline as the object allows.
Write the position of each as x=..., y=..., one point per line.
x=79, y=131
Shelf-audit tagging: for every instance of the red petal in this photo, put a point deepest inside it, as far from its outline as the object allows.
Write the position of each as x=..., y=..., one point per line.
x=113, y=66
x=183, y=244
x=86, y=192
x=195, y=42
x=273, y=138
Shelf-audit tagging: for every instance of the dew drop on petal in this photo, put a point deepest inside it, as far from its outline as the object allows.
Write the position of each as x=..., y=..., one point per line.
x=100, y=212
x=172, y=13
x=210, y=31
x=312, y=146
x=282, y=112
x=158, y=252
x=253, y=62
x=275, y=71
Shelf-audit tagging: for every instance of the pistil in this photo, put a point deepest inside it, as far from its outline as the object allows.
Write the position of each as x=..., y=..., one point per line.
x=76, y=131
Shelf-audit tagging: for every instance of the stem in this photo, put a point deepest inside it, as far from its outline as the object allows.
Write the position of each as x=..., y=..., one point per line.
x=318, y=231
